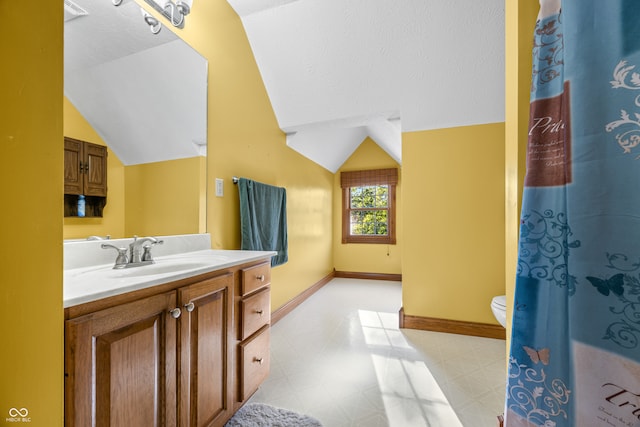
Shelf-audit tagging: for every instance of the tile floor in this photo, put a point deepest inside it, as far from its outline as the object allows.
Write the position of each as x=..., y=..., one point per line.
x=341, y=358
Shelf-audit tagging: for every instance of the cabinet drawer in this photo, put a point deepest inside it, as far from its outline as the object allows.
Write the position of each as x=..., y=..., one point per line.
x=256, y=277
x=254, y=363
x=256, y=312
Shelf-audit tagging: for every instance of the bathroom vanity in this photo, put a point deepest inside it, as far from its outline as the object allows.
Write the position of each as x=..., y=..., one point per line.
x=181, y=342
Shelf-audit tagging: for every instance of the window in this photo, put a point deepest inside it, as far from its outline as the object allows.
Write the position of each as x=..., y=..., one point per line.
x=368, y=206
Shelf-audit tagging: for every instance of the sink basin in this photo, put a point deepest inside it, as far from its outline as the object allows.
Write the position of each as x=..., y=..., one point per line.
x=163, y=265
x=150, y=270
x=92, y=282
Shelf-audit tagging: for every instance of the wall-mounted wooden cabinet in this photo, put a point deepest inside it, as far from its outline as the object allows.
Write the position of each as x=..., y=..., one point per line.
x=85, y=172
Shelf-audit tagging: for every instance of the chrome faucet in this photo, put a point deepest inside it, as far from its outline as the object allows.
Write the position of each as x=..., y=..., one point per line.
x=138, y=256
x=122, y=260
x=139, y=253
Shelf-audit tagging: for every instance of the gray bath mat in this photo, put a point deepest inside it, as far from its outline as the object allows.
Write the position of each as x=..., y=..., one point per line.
x=261, y=415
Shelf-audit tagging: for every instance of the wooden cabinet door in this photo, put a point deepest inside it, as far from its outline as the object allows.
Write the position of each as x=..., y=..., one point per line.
x=95, y=170
x=120, y=365
x=205, y=352
x=73, y=178
x=85, y=168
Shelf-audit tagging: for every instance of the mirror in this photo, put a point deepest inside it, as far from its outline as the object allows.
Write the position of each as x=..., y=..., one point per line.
x=145, y=95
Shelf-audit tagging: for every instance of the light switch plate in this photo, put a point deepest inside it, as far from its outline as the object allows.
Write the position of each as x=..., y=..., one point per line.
x=219, y=187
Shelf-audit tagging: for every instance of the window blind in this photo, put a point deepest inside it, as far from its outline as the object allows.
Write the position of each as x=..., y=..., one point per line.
x=369, y=177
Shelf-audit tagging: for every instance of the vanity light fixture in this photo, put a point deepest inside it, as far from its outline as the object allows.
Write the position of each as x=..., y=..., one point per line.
x=173, y=11
x=154, y=25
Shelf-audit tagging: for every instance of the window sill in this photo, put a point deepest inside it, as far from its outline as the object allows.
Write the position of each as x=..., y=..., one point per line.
x=385, y=240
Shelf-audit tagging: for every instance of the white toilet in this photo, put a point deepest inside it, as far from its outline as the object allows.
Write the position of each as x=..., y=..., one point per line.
x=499, y=308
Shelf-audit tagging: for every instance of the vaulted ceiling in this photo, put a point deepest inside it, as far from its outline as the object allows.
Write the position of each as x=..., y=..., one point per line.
x=337, y=71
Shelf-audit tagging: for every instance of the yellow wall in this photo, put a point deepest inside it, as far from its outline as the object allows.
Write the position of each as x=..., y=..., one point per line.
x=360, y=257
x=244, y=140
x=113, y=221
x=164, y=198
x=31, y=158
x=240, y=119
x=520, y=23
x=453, y=214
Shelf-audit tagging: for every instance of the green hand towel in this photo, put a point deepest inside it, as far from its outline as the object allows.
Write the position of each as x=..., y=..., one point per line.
x=263, y=218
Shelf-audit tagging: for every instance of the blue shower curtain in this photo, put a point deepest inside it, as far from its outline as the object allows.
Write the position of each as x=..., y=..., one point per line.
x=575, y=345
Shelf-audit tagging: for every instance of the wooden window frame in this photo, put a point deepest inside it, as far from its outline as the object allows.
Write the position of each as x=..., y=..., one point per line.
x=362, y=179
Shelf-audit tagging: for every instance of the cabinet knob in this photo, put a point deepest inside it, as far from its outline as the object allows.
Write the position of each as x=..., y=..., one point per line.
x=260, y=312
x=190, y=307
x=260, y=277
x=175, y=313
x=258, y=359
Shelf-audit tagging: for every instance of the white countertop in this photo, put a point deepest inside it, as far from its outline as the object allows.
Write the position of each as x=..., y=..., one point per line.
x=91, y=283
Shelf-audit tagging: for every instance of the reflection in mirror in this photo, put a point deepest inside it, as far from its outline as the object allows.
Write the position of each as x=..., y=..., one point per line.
x=174, y=12
x=145, y=96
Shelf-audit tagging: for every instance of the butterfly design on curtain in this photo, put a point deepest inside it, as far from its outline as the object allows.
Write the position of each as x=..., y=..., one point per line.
x=536, y=356
x=606, y=286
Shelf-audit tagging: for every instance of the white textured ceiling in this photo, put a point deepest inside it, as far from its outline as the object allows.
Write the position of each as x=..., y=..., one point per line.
x=337, y=71
x=144, y=94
